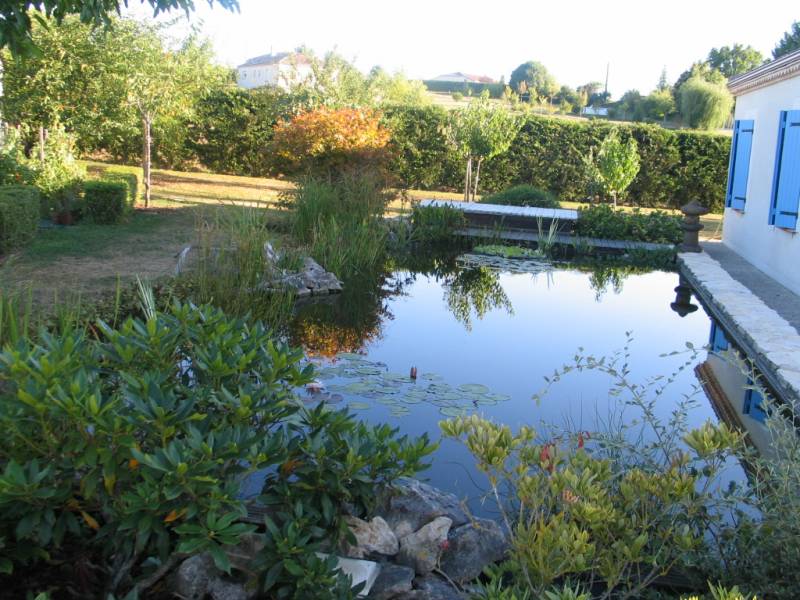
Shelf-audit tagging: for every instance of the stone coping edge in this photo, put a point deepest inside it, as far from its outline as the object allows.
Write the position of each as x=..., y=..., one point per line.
x=768, y=339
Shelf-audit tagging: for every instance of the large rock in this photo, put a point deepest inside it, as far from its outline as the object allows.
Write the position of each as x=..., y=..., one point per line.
x=373, y=537
x=421, y=549
x=194, y=577
x=472, y=547
x=413, y=504
x=431, y=587
x=392, y=581
x=311, y=280
x=228, y=590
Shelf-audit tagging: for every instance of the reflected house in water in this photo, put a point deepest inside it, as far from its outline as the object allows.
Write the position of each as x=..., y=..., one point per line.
x=733, y=393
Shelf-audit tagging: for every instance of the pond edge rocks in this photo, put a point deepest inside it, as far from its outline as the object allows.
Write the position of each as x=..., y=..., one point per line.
x=418, y=538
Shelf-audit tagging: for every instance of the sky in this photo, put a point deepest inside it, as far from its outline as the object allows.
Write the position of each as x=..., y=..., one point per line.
x=574, y=39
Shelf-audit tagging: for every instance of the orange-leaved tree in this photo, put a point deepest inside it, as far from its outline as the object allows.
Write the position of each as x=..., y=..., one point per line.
x=331, y=141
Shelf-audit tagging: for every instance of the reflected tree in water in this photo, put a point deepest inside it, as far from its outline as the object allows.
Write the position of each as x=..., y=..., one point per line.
x=475, y=290
x=345, y=322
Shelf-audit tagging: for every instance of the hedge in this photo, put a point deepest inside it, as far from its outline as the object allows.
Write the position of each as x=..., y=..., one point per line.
x=676, y=166
x=105, y=201
x=19, y=215
x=495, y=89
x=132, y=176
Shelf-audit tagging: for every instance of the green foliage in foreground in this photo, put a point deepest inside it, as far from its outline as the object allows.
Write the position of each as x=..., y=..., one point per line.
x=523, y=195
x=128, y=451
x=602, y=221
x=19, y=216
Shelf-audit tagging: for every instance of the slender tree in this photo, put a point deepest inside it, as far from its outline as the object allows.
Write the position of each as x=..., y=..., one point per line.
x=479, y=132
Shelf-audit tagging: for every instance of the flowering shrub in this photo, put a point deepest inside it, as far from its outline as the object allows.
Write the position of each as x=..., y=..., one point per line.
x=125, y=454
x=328, y=141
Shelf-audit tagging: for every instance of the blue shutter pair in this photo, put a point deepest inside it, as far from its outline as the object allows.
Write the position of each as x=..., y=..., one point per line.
x=786, y=178
x=739, y=166
x=754, y=404
x=718, y=341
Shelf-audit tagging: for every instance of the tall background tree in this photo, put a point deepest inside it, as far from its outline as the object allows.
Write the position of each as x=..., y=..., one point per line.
x=789, y=42
x=17, y=16
x=734, y=60
x=536, y=79
x=705, y=104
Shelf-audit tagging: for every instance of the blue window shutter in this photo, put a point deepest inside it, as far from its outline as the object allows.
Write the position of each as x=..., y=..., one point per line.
x=754, y=405
x=786, y=184
x=739, y=167
x=718, y=341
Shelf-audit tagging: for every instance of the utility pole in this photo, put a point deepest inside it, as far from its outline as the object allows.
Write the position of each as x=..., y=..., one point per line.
x=608, y=67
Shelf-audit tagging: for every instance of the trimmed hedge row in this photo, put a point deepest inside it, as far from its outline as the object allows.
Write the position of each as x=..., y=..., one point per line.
x=495, y=89
x=676, y=166
x=19, y=215
x=105, y=202
x=132, y=176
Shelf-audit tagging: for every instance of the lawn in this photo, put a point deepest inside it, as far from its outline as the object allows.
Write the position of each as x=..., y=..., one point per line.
x=92, y=258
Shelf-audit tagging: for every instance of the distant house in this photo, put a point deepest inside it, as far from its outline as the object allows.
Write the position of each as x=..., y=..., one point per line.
x=281, y=70
x=594, y=111
x=763, y=193
x=460, y=77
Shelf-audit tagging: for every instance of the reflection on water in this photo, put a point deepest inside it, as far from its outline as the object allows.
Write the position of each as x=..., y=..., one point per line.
x=486, y=339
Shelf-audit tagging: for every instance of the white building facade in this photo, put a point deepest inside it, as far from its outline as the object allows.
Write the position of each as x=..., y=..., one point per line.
x=763, y=194
x=282, y=70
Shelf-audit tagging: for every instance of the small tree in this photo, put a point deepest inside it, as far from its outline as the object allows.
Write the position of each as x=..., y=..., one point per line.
x=615, y=165
x=480, y=132
x=704, y=104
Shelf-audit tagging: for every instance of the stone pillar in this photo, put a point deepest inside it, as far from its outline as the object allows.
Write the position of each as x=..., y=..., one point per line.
x=691, y=226
x=683, y=298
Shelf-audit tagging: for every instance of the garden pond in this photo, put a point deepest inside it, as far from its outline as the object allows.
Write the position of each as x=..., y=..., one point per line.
x=482, y=334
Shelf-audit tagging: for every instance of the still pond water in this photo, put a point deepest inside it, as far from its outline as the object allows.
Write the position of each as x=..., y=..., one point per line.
x=482, y=339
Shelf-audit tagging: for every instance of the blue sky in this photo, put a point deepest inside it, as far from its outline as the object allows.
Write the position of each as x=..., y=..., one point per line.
x=574, y=39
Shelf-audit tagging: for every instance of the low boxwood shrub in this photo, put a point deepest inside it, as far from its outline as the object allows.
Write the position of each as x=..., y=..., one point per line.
x=19, y=215
x=602, y=221
x=132, y=176
x=124, y=452
x=105, y=202
x=523, y=195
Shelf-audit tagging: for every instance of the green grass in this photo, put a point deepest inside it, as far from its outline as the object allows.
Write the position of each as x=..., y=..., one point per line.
x=101, y=241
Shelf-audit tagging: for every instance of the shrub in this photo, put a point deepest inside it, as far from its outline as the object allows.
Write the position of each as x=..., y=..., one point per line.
x=132, y=176
x=602, y=221
x=457, y=96
x=127, y=452
x=104, y=202
x=59, y=177
x=19, y=215
x=523, y=195
x=610, y=510
x=13, y=164
x=330, y=141
x=436, y=224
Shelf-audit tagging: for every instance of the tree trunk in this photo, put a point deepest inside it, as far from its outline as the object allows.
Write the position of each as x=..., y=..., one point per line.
x=146, y=143
x=468, y=179
x=41, y=144
x=477, y=179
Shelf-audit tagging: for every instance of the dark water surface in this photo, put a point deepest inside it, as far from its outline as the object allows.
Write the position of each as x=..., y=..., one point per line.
x=483, y=339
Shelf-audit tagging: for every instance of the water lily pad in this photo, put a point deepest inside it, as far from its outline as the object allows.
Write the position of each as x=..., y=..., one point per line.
x=359, y=405
x=350, y=356
x=399, y=411
x=474, y=388
x=453, y=411
x=409, y=399
x=498, y=397
x=432, y=377
x=358, y=388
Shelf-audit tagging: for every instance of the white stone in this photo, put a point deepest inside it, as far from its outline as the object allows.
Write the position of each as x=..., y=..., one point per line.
x=360, y=571
x=421, y=550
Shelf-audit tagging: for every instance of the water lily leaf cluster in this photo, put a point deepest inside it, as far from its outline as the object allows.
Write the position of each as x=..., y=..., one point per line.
x=354, y=375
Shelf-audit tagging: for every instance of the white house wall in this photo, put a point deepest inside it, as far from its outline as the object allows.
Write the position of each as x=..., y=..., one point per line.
x=773, y=250
x=277, y=74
